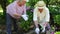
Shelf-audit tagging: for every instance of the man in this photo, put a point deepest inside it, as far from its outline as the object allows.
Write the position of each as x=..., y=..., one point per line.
x=14, y=11
x=41, y=16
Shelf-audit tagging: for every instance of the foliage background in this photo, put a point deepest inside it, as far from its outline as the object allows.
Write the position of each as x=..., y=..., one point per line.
x=53, y=5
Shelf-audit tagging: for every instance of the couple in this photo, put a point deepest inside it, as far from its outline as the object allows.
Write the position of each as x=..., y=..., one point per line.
x=17, y=9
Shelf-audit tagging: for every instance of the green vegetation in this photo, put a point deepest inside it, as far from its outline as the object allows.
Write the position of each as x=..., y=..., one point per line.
x=57, y=33
x=53, y=5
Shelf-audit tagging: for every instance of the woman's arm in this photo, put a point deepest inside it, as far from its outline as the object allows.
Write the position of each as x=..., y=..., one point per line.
x=35, y=18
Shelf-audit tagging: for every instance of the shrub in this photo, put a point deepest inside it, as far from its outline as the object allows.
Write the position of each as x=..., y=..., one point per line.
x=25, y=25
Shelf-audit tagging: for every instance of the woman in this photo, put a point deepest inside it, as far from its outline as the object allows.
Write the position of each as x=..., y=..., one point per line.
x=41, y=16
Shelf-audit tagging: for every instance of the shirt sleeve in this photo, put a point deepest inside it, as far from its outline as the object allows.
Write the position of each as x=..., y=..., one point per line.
x=47, y=18
x=35, y=15
x=11, y=10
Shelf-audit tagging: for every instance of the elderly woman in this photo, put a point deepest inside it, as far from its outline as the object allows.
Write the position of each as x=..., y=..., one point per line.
x=41, y=16
x=14, y=11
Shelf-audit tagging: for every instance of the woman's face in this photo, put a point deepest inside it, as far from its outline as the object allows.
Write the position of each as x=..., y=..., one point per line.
x=40, y=10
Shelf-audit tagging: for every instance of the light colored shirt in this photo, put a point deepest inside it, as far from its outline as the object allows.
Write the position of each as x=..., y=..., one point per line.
x=41, y=16
x=13, y=8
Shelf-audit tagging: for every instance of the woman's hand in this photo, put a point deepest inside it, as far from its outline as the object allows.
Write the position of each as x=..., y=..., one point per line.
x=37, y=30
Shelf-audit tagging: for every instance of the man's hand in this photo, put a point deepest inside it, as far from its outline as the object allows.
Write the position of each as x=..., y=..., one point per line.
x=17, y=16
x=25, y=17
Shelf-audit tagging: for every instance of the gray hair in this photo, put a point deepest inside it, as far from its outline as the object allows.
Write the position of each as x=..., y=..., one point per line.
x=20, y=0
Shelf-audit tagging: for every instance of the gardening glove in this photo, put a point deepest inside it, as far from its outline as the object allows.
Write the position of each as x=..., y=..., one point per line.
x=25, y=17
x=43, y=30
x=37, y=30
x=43, y=25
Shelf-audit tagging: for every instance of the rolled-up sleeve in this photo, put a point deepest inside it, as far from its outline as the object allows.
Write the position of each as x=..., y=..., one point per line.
x=35, y=15
x=47, y=18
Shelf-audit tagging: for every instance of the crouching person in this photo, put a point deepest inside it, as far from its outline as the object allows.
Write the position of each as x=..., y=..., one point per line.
x=41, y=16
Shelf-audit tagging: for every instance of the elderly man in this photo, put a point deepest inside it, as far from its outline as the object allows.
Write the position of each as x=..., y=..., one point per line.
x=41, y=15
x=14, y=11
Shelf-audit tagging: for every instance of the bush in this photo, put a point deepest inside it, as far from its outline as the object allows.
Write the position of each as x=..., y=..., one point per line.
x=25, y=25
x=56, y=14
x=57, y=19
x=2, y=20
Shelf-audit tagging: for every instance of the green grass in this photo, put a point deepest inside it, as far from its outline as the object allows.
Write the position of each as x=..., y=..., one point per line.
x=57, y=33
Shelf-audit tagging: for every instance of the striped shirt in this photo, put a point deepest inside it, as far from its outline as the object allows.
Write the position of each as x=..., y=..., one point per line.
x=13, y=8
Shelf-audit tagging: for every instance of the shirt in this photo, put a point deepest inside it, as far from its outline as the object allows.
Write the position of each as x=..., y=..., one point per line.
x=13, y=8
x=41, y=16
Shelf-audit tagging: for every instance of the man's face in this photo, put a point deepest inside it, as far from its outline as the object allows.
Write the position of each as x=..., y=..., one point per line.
x=21, y=3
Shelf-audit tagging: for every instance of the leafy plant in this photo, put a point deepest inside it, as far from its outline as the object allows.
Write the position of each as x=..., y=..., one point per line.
x=25, y=25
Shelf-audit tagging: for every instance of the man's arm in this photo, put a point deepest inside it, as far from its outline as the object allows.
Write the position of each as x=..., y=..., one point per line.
x=12, y=11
